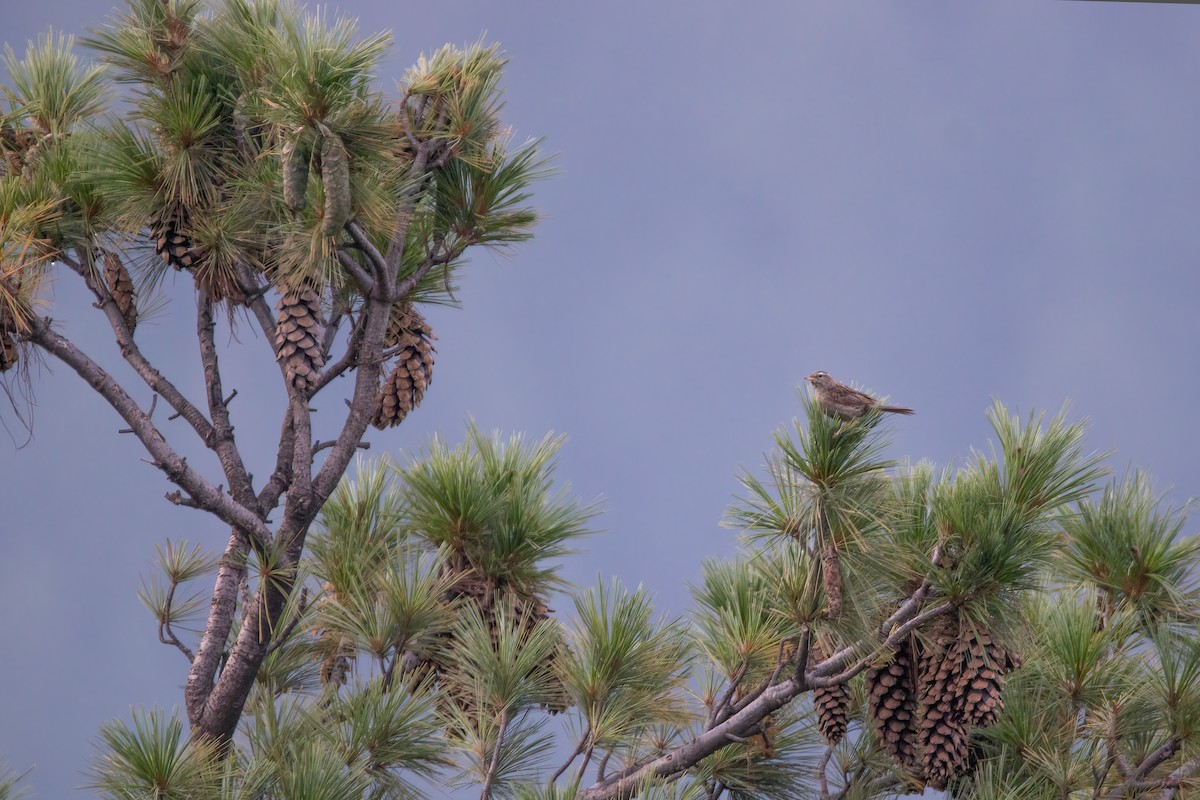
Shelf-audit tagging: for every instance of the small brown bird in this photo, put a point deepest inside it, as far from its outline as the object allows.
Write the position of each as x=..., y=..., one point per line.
x=839, y=400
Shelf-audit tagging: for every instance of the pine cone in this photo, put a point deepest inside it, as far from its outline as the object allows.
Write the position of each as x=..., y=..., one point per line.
x=832, y=704
x=942, y=734
x=947, y=746
x=982, y=680
x=405, y=386
x=298, y=337
x=120, y=286
x=171, y=244
x=892, y=703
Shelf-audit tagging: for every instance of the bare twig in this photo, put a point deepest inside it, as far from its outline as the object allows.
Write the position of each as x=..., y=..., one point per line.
x=583, y=741
x=176, y=498
x=129, y=349
x=348, y=360
x=822, y=772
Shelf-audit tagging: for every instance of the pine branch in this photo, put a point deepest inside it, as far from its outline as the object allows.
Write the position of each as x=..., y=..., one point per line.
x=746, y=719
x=366, y=284
x=281, y=478
x=485, y=792
x=824, y=673
x=221, y=439
x=133, y=354
x=176, y=468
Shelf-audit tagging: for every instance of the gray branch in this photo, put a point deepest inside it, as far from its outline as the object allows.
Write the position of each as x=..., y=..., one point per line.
x=208, y=496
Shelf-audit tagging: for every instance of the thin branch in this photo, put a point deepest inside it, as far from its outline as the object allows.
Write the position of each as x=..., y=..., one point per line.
x=486, y=791
x=823, y=770
x=149, y=414
x=762, y=687
x=823, y=675
x=378, y=262
x=175, y=467
x=679, y=759
x=348, y=360
x=848, y=780
x=718, y=711
x=133, y=354
x=221, y=439
x=256, y=301
x=330, y=334
x=1176, y=778
x=747, y=717
x=803, y=651
x=603, y=768
x=165, y=634
x=587, y=758
x=366, y=284
x=1161, y=754
x=281, y=478
x=575, y=754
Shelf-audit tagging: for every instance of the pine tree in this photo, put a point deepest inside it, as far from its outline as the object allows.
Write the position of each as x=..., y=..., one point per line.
x=258, y=159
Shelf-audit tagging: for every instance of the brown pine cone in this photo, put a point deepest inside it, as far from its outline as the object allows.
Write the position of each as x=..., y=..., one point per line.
x=298, y=336
x=120, y=286
x=892, y=703
x=405, y=386
x=832, y=704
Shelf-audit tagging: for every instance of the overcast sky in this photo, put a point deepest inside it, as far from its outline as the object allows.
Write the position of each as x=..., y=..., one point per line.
x=943, y=201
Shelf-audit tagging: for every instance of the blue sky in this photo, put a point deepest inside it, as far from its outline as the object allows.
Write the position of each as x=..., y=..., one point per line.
x=945, y=202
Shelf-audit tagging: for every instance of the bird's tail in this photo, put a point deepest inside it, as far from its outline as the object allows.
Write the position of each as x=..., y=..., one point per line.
x=896, y=410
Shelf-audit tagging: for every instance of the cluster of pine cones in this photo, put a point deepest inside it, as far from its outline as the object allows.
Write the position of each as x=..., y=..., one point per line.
x=926, y=700
x=408, y=334
x=409, y=339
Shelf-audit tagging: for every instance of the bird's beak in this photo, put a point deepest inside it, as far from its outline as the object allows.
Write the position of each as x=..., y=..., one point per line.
x=809, y=378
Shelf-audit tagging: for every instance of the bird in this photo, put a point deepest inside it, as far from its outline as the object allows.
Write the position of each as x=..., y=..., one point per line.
x=838, y=400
